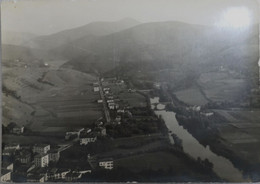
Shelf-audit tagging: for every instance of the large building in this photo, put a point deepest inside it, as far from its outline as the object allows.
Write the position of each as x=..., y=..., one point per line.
x=41, y=160
x=41, y=148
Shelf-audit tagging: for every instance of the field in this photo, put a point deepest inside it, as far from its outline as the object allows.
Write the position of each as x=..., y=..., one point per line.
x=240, y=133
x=191, y=96
x=152, y=161
x=222, y=86
x=51, y=98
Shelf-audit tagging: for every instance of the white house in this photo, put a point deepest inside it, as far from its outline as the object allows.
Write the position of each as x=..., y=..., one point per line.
x=100, y=101
x=41, y=148
x=41, y=160
x=96, y=88
x=18, y=129
x=12, y=146
x=85, y=139
x=106, y=163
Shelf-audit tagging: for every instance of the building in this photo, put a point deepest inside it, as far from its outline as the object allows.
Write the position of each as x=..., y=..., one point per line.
x=107, y=163
x=12, y=146
x=85, y=139
x=41, y=160
x=24, y=157
x=25, y=168
x=35, y=178
x=207, y=114
x=73, y=133
x=41, y=148
x=8, y=152
x=101, y=131
x=18, y=129
x=96, y=88
x=40, y=171
x=73, y=176
x=54, y=155
x=5, y=175
x=61, y=173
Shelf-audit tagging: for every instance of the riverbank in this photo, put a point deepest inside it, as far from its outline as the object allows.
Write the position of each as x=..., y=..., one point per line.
x=191, y=146
x=209, y=136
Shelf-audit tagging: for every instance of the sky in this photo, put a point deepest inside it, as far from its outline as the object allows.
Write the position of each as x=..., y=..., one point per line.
x=43, y=17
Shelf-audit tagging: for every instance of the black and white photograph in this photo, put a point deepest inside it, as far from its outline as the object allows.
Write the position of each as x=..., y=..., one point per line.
x=132, y=91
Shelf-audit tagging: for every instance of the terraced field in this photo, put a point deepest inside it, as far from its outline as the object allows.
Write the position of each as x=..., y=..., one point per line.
x=58, y=98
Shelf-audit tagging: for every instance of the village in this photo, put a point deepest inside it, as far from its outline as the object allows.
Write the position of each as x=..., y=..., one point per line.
x=128, y=128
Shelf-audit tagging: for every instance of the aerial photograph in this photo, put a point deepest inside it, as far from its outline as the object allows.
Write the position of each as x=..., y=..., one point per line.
x=130, y=91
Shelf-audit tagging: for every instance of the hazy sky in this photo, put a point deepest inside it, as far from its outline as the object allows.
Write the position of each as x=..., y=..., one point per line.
x=49, y=16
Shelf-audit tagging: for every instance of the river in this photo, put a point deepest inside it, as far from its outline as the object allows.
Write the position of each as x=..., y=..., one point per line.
x=221, y=166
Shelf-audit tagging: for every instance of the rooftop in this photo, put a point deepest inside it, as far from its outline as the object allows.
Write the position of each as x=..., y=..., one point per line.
x=40, y=155
x=4, y=172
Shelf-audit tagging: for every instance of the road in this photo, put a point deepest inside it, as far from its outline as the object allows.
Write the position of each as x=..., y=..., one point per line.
x=106, y=111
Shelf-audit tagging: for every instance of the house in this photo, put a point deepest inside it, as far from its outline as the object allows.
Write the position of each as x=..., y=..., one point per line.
x=42, y=172
x=100, y=101
x=62, y=173
x=75, y=132
x=8, y=165
x=207, y=114
x=24, y=156
x=57, y=174
x=110, y=101
x=41, y=160
x=8, y=152
x=118, y=118
x=54, y=155
x=85, y=139
x=120, y=111
x=96, y=88
x=106, y=163
x=12, y=146
x=110, y=97
x=52, y=174
x=41, y=148
x=5, y=175
x=35, y=178
x=101, y=131
x=106, y=89
x=156, y=85
x=25, y=168
x=73, y=176
x=18, y=129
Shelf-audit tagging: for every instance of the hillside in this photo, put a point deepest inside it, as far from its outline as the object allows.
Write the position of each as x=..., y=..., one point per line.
x=49, y=42
x=167, y=43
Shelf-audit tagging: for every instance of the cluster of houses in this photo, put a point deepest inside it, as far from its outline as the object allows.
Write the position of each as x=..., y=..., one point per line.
x=197, y=110
x=27, y=160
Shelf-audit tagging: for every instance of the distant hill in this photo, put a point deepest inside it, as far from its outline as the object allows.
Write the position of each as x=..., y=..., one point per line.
x=16, y=38
x=173, y=42
x=49, y=42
